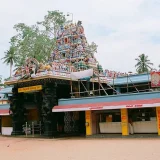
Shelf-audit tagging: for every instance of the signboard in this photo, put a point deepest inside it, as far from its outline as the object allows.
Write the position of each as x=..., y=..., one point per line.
x=88, y=123
x=158, y=119
x=96, y=108
x=88, y=116
x=30, y=89
x=155, y=79
x=124, y=122
x=134, y=106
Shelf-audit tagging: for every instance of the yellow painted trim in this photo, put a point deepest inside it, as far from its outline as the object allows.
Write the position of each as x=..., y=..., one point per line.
x=42, y=77
x=4, y=102
x=124, y=122
x=34, y=79
x=158, y=119
x=29, y=89
x=89, y=122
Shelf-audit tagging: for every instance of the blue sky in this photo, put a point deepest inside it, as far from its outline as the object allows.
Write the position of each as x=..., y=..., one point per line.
x=122, y=29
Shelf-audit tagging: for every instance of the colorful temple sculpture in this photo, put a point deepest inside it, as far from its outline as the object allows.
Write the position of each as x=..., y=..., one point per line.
x=71, y=54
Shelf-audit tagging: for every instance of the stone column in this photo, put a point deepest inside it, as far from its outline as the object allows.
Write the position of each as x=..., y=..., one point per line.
x=17, y=112
x=124, y=122
x=49, y=101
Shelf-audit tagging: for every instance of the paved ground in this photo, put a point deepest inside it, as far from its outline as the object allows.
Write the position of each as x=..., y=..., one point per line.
x=79, y=149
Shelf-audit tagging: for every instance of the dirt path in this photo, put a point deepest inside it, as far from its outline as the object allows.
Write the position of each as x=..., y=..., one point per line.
x=79, y=149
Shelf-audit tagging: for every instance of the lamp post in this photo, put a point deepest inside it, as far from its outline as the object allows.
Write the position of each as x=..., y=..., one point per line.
x=127, y=79
x=68, y=14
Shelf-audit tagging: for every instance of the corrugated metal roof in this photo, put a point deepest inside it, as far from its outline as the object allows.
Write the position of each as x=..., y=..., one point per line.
x=139, y=78
x=108, y=105
x=110, y=98
x=6, y=90
x=4, y=106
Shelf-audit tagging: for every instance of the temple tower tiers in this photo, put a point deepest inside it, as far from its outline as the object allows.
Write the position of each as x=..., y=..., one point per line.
x=72, y=52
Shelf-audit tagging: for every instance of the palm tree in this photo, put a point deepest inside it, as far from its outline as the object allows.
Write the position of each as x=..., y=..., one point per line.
x=143, y=63
x=10, y=58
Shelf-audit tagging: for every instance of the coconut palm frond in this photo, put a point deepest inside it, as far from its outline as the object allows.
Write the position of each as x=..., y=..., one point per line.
x=143, y=64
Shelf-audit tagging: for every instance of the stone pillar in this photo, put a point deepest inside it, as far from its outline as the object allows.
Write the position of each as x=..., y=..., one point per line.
x=17, y=112
x=39, y=100
x=49, y=101
x=124, y=122
x=158, y=119
x=88, y=123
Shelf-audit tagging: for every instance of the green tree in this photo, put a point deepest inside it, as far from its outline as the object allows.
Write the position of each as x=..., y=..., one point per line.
x=143, y=64
x=31, y=42
x=38, y=40
x=6, y=79
x=52, y=21
x=10, y=58
x=1, y=83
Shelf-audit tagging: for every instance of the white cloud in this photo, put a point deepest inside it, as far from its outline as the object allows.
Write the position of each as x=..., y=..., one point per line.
x=129, y=26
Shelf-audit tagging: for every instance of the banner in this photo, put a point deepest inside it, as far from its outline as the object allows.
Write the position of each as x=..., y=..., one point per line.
x=155, y=79
x=81, y=74
x=30, y=89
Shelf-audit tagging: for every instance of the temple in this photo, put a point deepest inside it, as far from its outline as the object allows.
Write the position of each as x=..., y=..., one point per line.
x=72, y=94
x=38, y=86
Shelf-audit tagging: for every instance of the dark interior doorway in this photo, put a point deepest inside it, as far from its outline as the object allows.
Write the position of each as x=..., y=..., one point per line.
x=71, y=123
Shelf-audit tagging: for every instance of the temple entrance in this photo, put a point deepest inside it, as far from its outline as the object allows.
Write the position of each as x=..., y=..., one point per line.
x=71, y=123
x=32, y=106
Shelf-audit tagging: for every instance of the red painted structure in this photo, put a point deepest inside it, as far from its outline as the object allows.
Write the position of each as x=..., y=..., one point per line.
x=145, y=103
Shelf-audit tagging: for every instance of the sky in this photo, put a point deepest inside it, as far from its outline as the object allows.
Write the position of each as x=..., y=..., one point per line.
x=122, y=29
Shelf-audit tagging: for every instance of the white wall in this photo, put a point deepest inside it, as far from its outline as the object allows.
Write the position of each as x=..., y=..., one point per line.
x=110, y=127
x=145, y=127
x=7, y=131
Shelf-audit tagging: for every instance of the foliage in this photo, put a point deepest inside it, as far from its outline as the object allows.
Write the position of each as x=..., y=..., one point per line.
x=31, y=42
x=143, y=64
x=6, y=79
x=52, y=21
x=1, y=84
x=37, y=40
x=10, y=57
